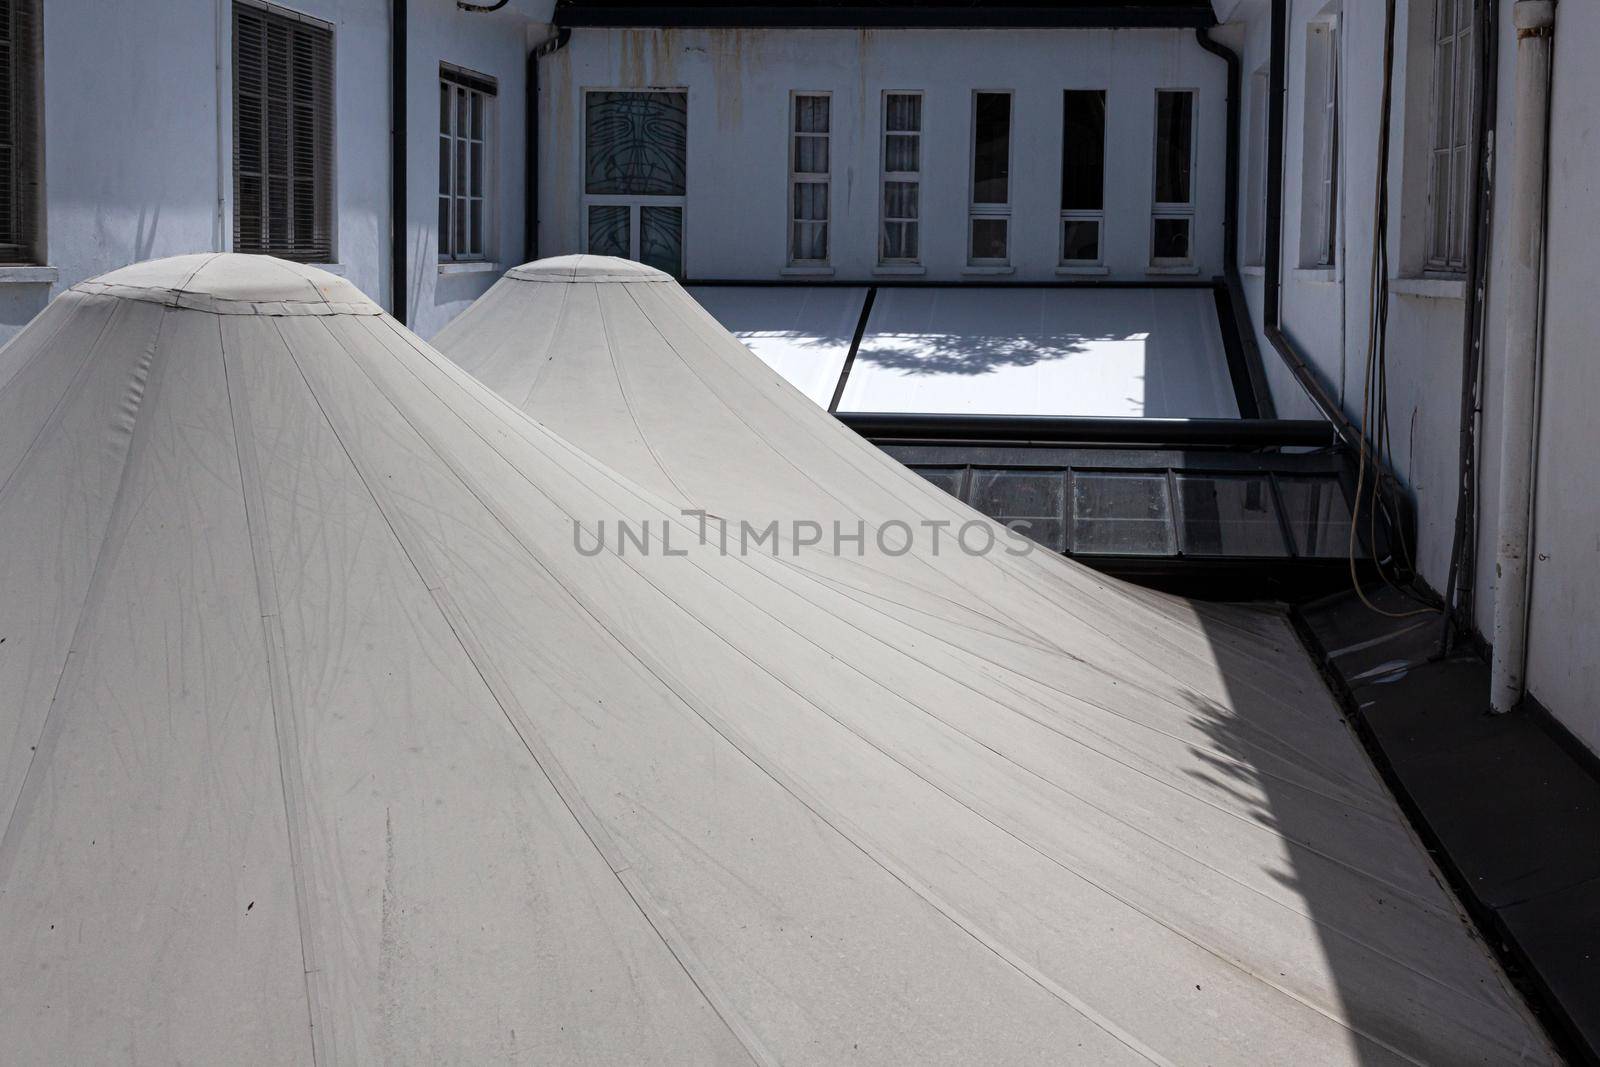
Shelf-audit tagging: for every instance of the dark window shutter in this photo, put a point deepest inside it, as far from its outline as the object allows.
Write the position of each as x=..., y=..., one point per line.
x=21, y=229
x=282, y=135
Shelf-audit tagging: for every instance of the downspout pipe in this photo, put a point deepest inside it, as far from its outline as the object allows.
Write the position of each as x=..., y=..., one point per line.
x=1535, y=24
x=530, y=142
x=1260, y=393
x=399, y=273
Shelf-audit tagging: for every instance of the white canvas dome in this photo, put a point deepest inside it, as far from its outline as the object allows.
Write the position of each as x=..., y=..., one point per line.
x=324, y=739
x=1180, y=764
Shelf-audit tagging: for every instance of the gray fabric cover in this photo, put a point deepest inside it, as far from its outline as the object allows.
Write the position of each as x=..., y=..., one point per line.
x=323, y=740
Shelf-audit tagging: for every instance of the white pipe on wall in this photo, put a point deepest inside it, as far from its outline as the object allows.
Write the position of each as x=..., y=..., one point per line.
x=1535, y=24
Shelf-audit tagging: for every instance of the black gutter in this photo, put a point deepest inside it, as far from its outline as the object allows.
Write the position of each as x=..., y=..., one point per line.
x=1272, y=290
x=399, y=272
x=901, y=16
x=1043, y=431
x=1255, y=396
x=530, y=145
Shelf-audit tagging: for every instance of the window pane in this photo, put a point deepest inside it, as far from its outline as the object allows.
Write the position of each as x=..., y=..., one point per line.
x=1083, y=151
x=1171, y=239
x=661, y=238
x=1080, y=240
x=946, y=478
x=1228, y=515
x=900, y=152
x=1121, y=514
x=811, y=114
x=477, y=115
x=608, y=230
x=1444, y=92
x=900, y=200
x=904, y=113
x=1318, y=515
x=989, y=238
x=991, y=161
x=445, y=248
x=811, y=155
x=1037, y=498
x=900, y=240
x=475, y=247
x=476, y=170
x=811, y=201
x=635, y=143
x=444, y=108
x=445, y=186
x=1174, y=146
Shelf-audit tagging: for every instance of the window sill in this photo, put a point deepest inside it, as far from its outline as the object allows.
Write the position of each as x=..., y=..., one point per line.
x=1185, y=269
x=1067, y=270
x=1430, y=288
x=332, y=268
x=1253, y=270
x=1317, y=275
x=805, y=271
x=983, y=270
x=471, y=266
x=900, y=268
x=24, y=274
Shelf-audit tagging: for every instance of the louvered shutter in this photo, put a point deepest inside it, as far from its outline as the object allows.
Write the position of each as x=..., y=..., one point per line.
x=282, y=134
x=20, y=158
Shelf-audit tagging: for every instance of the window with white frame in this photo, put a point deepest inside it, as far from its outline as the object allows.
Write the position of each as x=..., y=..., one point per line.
x=1172, y=217
x=635, y=162
x=808, y=178
x=1255, y=226
x=898, y=238
x=466, y=125
x=1450, y=168
x=989, y=220
x=1319, y=199
x=1083, y=167
x=21, y=155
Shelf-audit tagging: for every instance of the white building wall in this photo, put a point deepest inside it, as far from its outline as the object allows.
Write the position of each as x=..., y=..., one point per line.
x=138, y=165
x=739, y=82
x=1326, y=313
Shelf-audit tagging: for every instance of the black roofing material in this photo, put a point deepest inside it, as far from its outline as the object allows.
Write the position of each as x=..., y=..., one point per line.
x=1509, y=804
x=929, y=14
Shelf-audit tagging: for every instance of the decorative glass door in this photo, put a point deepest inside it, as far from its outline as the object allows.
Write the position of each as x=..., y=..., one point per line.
x=635, y=146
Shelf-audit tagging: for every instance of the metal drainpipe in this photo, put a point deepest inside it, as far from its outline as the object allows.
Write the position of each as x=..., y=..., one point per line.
x=399, y=273
x=1535, y=23
x=530, y=146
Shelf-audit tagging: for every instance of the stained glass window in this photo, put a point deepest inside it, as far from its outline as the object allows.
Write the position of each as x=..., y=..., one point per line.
x=637, y=143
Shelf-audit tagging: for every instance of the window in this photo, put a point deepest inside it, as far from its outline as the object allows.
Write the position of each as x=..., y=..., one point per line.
x=466, y=124
x=1083, y=165
x=282, y=133
x=635, y=147
x=808, y=178
x=1450, y=170
x=990, y=217
x=902, y=178
x=21, y=229
x=1319, y=200
x=1172, y=220
x=1255, y=226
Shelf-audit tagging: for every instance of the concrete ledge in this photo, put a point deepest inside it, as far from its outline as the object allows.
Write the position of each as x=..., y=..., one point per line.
x=1430, y=288
x=29, y=275
x=475, y=266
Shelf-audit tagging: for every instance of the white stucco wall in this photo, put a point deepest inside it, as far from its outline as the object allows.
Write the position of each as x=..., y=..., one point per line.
x=739, y=84
x=1327, y=314
x=134, y=149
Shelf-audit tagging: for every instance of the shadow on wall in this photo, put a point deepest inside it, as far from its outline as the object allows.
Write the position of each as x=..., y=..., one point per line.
x=19, y=303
